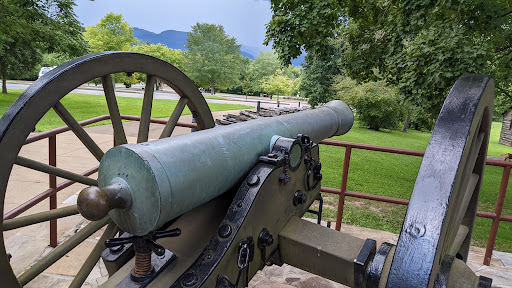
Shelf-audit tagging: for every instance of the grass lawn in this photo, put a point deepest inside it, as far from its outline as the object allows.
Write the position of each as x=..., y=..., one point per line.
x=214, y=97
x=394, y=176
x=85, y=106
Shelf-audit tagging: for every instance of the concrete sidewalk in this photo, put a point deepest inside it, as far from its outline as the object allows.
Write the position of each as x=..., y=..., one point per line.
x=29, y=244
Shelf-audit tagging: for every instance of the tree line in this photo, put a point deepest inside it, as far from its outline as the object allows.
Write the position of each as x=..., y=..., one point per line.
x=212, y=58
x=416, y=48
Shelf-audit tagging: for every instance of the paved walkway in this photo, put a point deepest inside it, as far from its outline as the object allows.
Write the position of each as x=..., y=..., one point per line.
x=28, y=244
x=137, y=91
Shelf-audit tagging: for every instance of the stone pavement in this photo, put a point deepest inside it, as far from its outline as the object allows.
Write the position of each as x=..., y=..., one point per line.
x=29, y=244
x=288, y=276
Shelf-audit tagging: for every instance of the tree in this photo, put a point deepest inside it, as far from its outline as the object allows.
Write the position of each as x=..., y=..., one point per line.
x=420, y=46
x=213, y=58
x=29, y=28
x=112, y=33
x=319, y=73
x=172, y=56
x=245, y=76
x=265, y=65
x=298, y=25
x=277, y=84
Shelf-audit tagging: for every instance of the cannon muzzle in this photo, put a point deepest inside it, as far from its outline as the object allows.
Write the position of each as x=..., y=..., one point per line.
x=143, y=186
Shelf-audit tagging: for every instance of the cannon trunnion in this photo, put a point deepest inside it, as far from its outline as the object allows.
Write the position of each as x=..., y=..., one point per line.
x=211, y=208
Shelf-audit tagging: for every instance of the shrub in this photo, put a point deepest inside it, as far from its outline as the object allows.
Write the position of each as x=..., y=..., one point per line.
x=422, y=120
x=377, y=104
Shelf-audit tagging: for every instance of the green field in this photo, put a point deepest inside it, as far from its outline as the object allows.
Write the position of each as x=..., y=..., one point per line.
x=85, y=106
x=394, y=176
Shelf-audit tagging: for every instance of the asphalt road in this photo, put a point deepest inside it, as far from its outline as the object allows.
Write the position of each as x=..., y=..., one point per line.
x=137, y=91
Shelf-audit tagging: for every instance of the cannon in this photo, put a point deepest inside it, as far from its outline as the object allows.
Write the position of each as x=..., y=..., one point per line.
x=211, y=208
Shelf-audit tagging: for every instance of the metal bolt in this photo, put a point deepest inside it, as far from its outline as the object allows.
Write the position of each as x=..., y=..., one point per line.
x=265, y=239
x=253, y=180
x=189, y=279
x=225, y=230
x=299, y=198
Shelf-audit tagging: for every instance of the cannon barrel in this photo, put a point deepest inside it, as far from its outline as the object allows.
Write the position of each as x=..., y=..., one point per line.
x=143, y=186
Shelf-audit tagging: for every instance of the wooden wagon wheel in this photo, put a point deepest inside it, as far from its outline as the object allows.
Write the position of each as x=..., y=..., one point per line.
x=442, y=209
x=20, y=119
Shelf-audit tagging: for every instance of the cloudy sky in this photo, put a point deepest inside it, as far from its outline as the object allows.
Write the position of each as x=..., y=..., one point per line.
x=243, y=19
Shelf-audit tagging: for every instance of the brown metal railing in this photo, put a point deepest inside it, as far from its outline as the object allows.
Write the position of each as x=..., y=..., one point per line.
x=343, y=192
x=52, y=155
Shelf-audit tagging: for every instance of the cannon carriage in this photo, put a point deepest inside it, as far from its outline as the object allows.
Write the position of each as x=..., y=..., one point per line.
x=211, y=208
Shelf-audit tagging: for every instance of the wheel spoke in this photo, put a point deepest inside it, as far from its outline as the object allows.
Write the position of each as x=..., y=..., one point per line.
x=19, y=222
x=61, y=250
x=94, y=256
x=113, y=109
x=464, y=202
x=468, y=184
x=32, y=164
x=475, y=151
x=145, y=116
x=78, y=130
x=462, y=233
x=169, y=127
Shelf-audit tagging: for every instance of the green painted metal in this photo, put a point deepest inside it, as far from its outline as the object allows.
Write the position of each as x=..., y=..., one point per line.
x=173, y=119
x=113, y=108
x=32, y=164
x=94, y=256
x=61, y=250
x=325, y=252
x=147, y=104
x=78, y=130
x=164, y=182
x=23, y=221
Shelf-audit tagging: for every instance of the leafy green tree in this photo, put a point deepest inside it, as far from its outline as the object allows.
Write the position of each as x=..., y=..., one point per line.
x=265, y=65
x=29, y=28
x=112, y=33
x=277, y=84
x=421, y=46
x=297, y=86
x=213, y=58
x=173, y=56
x=319, y=73
x=299, y=25
x=291, y=72
x=245, y=76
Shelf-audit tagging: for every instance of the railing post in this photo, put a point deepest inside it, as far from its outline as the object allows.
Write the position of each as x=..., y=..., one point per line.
x=497, y=212
x=52, y=155
x=344, y=179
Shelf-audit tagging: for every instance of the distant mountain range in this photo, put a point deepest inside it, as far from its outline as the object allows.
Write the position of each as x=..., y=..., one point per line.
x=177, y=39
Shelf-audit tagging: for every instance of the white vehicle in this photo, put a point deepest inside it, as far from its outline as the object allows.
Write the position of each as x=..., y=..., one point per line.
x=45, y=70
